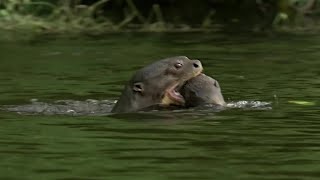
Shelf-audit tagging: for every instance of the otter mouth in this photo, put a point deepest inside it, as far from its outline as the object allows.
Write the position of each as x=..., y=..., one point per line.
x=173, y=96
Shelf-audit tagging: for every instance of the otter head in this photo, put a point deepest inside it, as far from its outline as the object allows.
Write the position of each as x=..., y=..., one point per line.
x=157, y=83
x=202, y=90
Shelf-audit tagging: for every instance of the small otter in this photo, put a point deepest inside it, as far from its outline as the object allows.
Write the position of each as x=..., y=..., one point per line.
x=202, y=90
x=157, y=83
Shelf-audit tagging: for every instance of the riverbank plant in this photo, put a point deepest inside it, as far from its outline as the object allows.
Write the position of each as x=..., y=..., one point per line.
x=102, y=16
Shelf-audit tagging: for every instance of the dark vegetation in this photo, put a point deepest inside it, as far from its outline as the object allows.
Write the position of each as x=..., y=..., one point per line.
x=101, y=16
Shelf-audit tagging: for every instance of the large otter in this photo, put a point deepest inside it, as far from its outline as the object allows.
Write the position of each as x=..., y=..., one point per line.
x=202, y=90
x=157, y=84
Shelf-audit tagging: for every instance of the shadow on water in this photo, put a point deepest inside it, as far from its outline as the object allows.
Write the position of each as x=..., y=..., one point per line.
x=248, y=140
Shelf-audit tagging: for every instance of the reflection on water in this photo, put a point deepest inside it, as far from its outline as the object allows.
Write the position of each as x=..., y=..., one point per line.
x=257, y=137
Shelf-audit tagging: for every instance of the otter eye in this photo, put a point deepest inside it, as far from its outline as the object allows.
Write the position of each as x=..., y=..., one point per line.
x=178, y=65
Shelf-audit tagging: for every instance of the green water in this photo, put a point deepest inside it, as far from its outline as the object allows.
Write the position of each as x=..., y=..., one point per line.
x=238, y=143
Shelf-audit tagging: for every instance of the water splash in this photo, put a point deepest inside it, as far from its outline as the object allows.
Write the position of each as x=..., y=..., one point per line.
x=64, y=107
x=94, y=107
x=260, y=105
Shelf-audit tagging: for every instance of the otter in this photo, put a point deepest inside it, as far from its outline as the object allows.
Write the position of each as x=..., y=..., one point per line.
x=202, y=90
x=157, y=84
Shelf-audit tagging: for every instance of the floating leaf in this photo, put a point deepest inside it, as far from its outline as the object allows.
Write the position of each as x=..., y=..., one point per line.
x=305, y=103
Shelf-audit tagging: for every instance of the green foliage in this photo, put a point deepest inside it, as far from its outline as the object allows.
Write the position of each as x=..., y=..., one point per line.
x=49, y=17
x=99, y=16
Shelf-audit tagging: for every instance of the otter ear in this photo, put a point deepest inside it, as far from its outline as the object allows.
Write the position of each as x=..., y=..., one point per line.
x=138, y=87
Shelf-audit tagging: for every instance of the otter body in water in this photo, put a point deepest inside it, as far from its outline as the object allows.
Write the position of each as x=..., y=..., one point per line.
x=202, y=90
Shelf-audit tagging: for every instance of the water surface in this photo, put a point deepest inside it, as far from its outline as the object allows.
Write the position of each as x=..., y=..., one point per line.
x=237, y=143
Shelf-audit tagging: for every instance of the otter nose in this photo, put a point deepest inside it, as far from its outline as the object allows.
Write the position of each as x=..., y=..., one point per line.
x=197, y=64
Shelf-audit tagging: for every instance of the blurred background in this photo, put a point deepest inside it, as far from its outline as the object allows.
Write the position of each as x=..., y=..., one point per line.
x=100, y=16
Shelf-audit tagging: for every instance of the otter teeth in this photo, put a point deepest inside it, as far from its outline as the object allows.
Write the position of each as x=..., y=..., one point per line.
x=176, y=93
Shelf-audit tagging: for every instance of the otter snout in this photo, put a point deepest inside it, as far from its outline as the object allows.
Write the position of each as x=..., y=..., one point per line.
x=197, y=67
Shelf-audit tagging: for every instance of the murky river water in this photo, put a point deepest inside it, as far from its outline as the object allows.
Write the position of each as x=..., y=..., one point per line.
x=236, y=143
